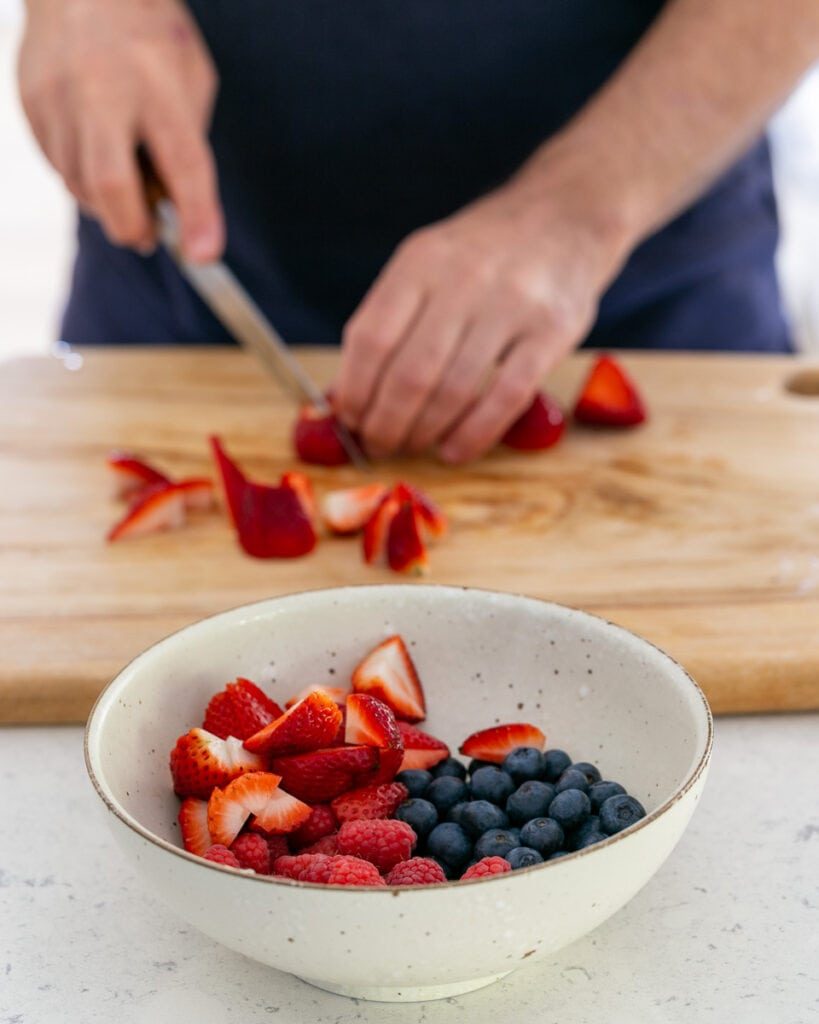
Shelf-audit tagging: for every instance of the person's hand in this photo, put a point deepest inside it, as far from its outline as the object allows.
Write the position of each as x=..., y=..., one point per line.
x=98, y=78
x=456, y=334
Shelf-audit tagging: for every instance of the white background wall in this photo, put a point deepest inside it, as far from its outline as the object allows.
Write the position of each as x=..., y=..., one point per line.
x=36, y=217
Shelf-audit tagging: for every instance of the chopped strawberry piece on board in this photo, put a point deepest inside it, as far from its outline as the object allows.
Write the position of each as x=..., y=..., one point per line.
x=406, y=551
x=315, y=438
x=347, y=511
x=198, y=492
x=609, y=397
x=540, y=427
x=158, y=507
x=132, y=474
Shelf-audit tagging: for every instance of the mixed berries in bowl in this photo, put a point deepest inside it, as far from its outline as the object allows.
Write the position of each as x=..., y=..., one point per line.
x=392, y=768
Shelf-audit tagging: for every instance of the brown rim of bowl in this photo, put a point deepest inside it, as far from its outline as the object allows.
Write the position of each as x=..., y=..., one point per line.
x=164, y=844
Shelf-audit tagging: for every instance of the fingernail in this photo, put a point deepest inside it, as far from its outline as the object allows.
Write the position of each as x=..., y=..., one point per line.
x=202, y=245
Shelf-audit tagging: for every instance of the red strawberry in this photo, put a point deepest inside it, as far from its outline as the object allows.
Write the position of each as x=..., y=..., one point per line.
x=347, y=511
x=322, y=822
x=315, y=438
x=370, y=721
x=337, y=693
x=495, y=743
x=240, y=710
x=380, y=801
x=486, y=867
x=252, y=852
x=609, y=398
x=300, y=483
x=389, y=674
x=132, y=474
x=377, y=528
x=200, y=761
x=256, y=793
x=406, y=551
x=327, y=844
x=541, y=426
x=197, y=492
x=270, y=521
x=383, y=843
x=193, y=824
x=160, y=506
x=420, y=749
x=352, y=871
x=323, y=774
x=416, y=871
x=220, y=854
x=432, y=518
x=308, y=725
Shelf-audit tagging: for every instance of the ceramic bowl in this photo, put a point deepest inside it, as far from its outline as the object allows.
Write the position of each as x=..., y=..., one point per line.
x=598, y=691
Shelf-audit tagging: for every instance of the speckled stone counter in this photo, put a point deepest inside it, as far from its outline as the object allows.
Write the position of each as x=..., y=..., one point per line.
x=727, y=931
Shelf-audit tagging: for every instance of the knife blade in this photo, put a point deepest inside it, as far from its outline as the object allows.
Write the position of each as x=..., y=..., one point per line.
x=231, y=304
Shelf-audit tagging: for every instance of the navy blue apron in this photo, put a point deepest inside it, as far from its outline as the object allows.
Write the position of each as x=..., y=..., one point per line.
x=341, y=127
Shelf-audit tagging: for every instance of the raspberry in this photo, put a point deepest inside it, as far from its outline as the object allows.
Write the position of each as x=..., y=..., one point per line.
x=252, y=851
x=383, y=843
x=370, y=802
x=302, y=865
x=416, y=871
x=487, y=866
x=219, y=854
x=327, y=844
x=322, y=822
x=352, y=871
x=278, y=847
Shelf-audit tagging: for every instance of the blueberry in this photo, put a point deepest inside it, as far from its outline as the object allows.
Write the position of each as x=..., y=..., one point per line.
x=447, y=767
x=476, y=763
x=491, y=784
x=590, y=839
x=530, y=800
x=569, y=808
x=591, y=773
x=555, y=762
x=558, y=853
x=572, y=779
x=448, y=842
x=523, y=763
x=450, y=872
x=600, y=791
x=523, y=857
x=454, y=813
x=415, y=779
x=497, y=842
x=420, y=815
x=480, y=816
x=445, y=792
x=618, y=812
x=574, y=840
x=542, y=834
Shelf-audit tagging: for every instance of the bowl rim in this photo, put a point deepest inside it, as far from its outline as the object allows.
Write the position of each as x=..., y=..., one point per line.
x=129, y=821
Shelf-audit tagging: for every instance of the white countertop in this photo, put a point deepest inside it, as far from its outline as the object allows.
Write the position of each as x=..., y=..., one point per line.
x=727, y=931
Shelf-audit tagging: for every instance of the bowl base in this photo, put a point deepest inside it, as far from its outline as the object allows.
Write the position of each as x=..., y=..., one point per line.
x=407, y=993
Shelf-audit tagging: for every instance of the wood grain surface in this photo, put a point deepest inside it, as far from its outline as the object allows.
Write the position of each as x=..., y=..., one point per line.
x=699, y=530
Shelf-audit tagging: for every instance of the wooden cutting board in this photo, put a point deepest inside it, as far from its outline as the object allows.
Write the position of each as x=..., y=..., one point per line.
x=699, y=530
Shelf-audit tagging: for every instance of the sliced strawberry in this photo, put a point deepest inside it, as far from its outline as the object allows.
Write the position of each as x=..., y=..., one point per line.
x=240, y=710
x=157, y=507
x=495, y=743
x=389, y=674
x=315, y=438
x=337, y=693
x=370, y=721
x=259, y=794
x=406, y=551
x=380, y=801
x=420, y=749
x=198, y=492
x=200, y=761
x=377, y=528
x=348, y=510
x=541, y=426
x=132, y=474
x=609, y=397
x=270, y=521
x=308, y=725
x=433, y=519
x=300, y=483
x=323, y=774
x=193, y=824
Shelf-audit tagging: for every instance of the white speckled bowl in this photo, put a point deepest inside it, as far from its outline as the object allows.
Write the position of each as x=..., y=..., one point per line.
x=598, y=691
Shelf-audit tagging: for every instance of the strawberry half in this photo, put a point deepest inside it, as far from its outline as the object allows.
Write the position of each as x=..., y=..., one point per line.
x=495, y=743
x=337, y=693
x=271, y=522
x=420, y=749
x=240, y=710
x=406, y=551
x=370, y=721
x=377, y=528
x=193, y=824
x=256, y=793
x=347, y=511
x=540, y=427
x=132, y=474
x=321, y=775
x=433, y=519
x=300, y=483
x=381, y=801
x=200, y=761
x=160, y=506
x=609, y=398
x=315, y=438
x=198, y=492
x=389, y=674
x=308, y=725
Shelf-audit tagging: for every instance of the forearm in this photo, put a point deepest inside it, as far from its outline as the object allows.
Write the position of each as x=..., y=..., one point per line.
x=690, y=98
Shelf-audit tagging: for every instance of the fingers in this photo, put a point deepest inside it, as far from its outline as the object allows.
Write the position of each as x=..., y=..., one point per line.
x=507, y=396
